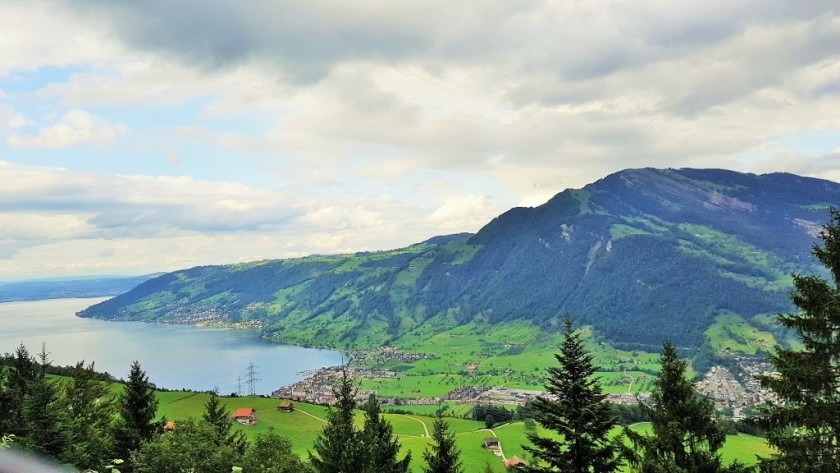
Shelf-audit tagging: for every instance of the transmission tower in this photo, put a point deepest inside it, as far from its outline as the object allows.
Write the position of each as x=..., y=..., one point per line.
x=251, y=378
x=239, y=385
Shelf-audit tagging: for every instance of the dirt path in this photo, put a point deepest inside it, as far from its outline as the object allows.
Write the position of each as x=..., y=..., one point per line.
x=501, y=452
x=311, y=415
x=425, y=429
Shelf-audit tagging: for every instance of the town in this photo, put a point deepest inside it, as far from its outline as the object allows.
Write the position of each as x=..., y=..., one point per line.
x=731, y=392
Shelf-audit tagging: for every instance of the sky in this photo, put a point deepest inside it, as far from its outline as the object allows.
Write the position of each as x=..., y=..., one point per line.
x=153, y=135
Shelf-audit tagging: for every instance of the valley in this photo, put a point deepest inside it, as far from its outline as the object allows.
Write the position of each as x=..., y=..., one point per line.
x=307, y=420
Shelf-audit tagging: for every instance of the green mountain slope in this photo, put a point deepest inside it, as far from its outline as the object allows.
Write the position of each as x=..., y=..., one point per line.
x=640, y=255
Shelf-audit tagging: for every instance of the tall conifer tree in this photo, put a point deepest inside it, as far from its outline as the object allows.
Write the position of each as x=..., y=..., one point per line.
x=19, y=385
x=442, y=456
x=686, y=438
x=578, y=412
x=216, y=415
x=382, y=447
x=138, y=409
x=90, y=425
x=805, y=426
x=43, y=414
x=338, y=449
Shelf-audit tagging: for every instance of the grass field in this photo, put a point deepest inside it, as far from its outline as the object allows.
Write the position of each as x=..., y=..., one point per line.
x=513, y=355
x=731, y=333
x=304, y=424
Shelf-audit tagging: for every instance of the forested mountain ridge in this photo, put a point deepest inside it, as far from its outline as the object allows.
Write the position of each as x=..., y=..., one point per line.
x=641, y=255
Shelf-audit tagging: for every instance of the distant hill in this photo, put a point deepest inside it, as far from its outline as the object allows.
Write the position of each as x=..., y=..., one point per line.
x=641, y=255
x=64, y=288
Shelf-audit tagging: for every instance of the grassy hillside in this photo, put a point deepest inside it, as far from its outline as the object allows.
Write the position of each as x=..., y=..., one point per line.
x=680, y=250
x=306, y=422
x=514, y=355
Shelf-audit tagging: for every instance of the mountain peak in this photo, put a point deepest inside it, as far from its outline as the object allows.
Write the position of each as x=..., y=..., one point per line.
x=672, y=249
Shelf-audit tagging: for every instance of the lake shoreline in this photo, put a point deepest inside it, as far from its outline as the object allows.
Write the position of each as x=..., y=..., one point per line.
x=175, y=356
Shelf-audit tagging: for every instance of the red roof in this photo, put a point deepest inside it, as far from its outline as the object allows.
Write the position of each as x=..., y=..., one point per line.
x=243, y=412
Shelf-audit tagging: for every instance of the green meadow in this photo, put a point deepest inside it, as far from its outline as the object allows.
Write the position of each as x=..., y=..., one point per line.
x=513, y=355
x=304, y=424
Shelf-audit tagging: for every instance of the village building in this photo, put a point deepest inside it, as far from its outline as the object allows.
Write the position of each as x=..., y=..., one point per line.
x=286, y=406
x=515, y=463
x=491, y=443
x=245, y=416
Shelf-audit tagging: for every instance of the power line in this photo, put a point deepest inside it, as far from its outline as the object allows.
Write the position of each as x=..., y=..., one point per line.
x=251, y=378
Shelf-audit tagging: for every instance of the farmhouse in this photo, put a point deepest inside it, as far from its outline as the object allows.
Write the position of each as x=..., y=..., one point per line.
x=286, y=406
x=515, y=463
x=491, y=442
x=245, y=415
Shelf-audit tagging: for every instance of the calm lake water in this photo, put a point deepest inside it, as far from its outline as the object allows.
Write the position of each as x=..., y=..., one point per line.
x=174, y=356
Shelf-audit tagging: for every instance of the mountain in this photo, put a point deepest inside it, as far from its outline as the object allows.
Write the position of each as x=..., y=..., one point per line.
x=40, y=289
x=641, y=255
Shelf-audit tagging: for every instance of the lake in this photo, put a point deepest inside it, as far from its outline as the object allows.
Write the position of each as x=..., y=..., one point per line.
x=174, y=356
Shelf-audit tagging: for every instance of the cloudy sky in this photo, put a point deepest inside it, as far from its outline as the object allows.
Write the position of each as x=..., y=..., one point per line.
x=155, y=135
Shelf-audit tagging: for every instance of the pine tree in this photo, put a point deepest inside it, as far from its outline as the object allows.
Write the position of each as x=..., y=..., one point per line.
x=90, y=424
x=217, y=416
x=442, y=456
x=338, y=449
x=20, y=377
x=579, y=414
x=686, y=438
x=805, y=426
x=137, y=408
x=382, y=447
x=6, y=402
x=43, y=414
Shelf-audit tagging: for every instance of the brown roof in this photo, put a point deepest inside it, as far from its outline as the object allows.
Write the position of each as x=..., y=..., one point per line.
x=514, y=461
x=170, y=425
x=243, y=412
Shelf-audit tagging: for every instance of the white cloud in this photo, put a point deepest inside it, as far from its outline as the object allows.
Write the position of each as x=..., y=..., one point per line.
x=467, y=213
x=10, y=118
x=342, y=218
x=386, y=122
x=73, y=128
x=144, y=223
x=36, y=35
x=26, y=225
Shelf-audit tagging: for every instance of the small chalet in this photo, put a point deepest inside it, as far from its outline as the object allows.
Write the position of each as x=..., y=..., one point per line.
x=286, y=406
x=515, y=463
x=170, y=426
x=491, y=443
x=245, y=415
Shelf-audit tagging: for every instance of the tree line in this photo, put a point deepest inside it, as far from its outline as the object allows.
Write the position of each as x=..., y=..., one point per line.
x=82, y=422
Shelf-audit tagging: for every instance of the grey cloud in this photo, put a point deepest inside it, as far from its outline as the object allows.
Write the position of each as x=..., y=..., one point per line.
x=554, y=50
x=151, y=219
x=306, y=37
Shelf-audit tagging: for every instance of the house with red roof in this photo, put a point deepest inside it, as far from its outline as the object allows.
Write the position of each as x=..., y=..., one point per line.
x=515, y=463
x=245, y=415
